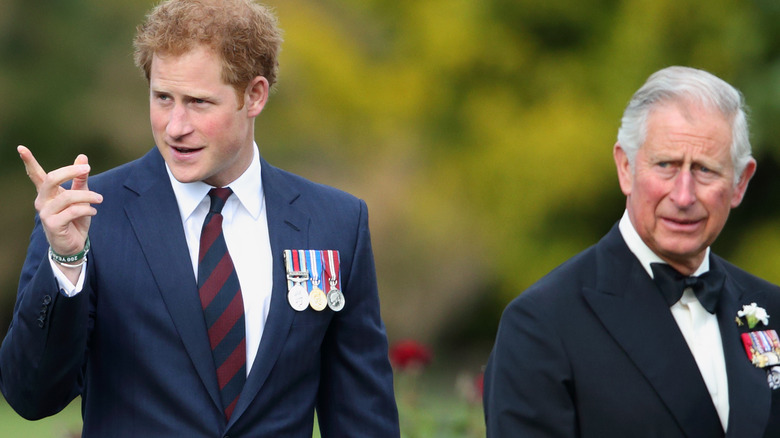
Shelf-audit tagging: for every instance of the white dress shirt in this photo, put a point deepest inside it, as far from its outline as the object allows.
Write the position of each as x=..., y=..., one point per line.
x=245, y=226
x=699, y=327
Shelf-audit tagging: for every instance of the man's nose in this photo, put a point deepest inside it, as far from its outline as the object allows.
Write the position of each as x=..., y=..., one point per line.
x=178, y=122
x=684, y=191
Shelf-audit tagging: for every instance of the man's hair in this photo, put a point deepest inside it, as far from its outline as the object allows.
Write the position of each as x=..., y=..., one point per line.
x=243, y=33
x=686, y=85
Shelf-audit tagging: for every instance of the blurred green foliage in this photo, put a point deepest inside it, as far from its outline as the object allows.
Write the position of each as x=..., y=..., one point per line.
x=478, y=131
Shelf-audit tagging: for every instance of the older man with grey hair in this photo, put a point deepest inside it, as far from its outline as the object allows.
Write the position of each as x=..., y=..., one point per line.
x=648, y=333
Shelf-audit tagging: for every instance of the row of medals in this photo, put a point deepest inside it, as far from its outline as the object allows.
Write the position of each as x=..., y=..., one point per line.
x=300, y=298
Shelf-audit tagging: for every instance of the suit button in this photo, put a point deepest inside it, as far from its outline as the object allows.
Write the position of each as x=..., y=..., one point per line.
x=46, y=299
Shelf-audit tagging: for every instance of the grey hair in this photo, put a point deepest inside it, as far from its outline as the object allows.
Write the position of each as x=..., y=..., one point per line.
x=685, y=84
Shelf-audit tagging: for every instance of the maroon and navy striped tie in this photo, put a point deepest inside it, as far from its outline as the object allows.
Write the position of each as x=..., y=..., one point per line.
x=223, y=306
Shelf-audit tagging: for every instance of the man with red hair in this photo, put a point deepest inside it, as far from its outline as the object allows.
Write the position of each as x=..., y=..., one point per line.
x=183, y=294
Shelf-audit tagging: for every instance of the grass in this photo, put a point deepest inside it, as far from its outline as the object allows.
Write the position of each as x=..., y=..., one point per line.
x=429, y=407
x=63, y=425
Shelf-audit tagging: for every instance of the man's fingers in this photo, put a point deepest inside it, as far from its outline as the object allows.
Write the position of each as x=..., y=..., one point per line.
x=78, y=172
x=57, y=177
x=80, y=182
x=59, y=222
x=31, y=166
x=66, y=198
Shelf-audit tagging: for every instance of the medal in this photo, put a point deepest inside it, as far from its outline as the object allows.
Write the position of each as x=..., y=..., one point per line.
x=297, y=295
x=335, y=297
x=317, y=298
x=303, y=284
x=298, y=298
x=335, y=300
x=773, y=377
x=762, y=348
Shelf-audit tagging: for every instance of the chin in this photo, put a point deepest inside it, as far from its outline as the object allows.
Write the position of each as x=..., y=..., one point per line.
x=683, y=253
x=184, y=178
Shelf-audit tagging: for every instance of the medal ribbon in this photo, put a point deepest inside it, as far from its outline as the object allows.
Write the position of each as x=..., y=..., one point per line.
x=773, y=339
x=747, y=342
x=332, y=269
x=760, y=342
x=301, y=259
x=316, y=266
x=288, y=264
x=763, y=342
x=767, y=341
x=295, y=263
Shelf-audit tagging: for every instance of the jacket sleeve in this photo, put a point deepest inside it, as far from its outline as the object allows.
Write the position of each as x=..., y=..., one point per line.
x=528, y=380
x=43, y=353
x=356, y=391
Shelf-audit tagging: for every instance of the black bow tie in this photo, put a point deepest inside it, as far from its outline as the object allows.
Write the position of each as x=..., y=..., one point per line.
x=706, y=287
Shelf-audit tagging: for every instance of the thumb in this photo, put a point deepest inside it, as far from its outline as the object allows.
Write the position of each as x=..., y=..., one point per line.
x=80, y=182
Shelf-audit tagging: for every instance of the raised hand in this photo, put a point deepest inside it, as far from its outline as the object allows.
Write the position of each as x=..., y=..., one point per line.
x=65, y=214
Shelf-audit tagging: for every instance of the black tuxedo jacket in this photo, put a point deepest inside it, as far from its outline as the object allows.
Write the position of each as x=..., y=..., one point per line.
x=134, y=344
x=593, y=351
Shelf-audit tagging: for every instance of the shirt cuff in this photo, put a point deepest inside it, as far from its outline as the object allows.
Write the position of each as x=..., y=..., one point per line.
x=66, y=287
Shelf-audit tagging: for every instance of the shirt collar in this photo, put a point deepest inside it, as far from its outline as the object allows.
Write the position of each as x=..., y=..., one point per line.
x=246, y=188
x=645, y=255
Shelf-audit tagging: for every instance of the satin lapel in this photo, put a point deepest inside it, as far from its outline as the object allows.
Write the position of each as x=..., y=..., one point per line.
x=749, y=394
x=633, y=311
x=156, y=220
x=288, y=228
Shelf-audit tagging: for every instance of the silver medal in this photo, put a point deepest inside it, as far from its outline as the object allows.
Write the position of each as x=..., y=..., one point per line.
x=298, y=297
x=335, y=300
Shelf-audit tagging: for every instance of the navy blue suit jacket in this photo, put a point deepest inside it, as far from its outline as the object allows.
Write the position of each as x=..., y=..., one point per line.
x=134, y=345
x=593, y=351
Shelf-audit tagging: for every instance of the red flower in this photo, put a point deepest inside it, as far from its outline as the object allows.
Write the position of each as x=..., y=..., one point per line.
x=479, y=384
x=409, y=354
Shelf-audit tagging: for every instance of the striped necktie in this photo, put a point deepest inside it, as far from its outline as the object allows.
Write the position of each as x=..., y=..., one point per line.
x=223, y=306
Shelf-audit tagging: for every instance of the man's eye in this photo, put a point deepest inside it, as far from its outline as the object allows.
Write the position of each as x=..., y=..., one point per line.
x=704, y=170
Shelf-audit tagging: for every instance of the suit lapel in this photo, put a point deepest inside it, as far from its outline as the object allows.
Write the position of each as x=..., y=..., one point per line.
x=640, y=321
x=749, y=396
x=155, y=218
x=288, y=228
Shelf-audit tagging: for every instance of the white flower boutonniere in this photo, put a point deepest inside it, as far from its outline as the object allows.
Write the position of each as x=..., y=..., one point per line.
x=753, y=314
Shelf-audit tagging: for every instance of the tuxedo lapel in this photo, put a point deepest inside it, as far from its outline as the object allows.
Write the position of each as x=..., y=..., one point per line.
x=155, y=218
x=635, y=314
x=749, y=396
x=288, y=228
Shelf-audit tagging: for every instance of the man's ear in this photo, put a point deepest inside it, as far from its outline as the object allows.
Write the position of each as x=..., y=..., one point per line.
x=625, y=175
x=256, y=95
x=742, y=184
